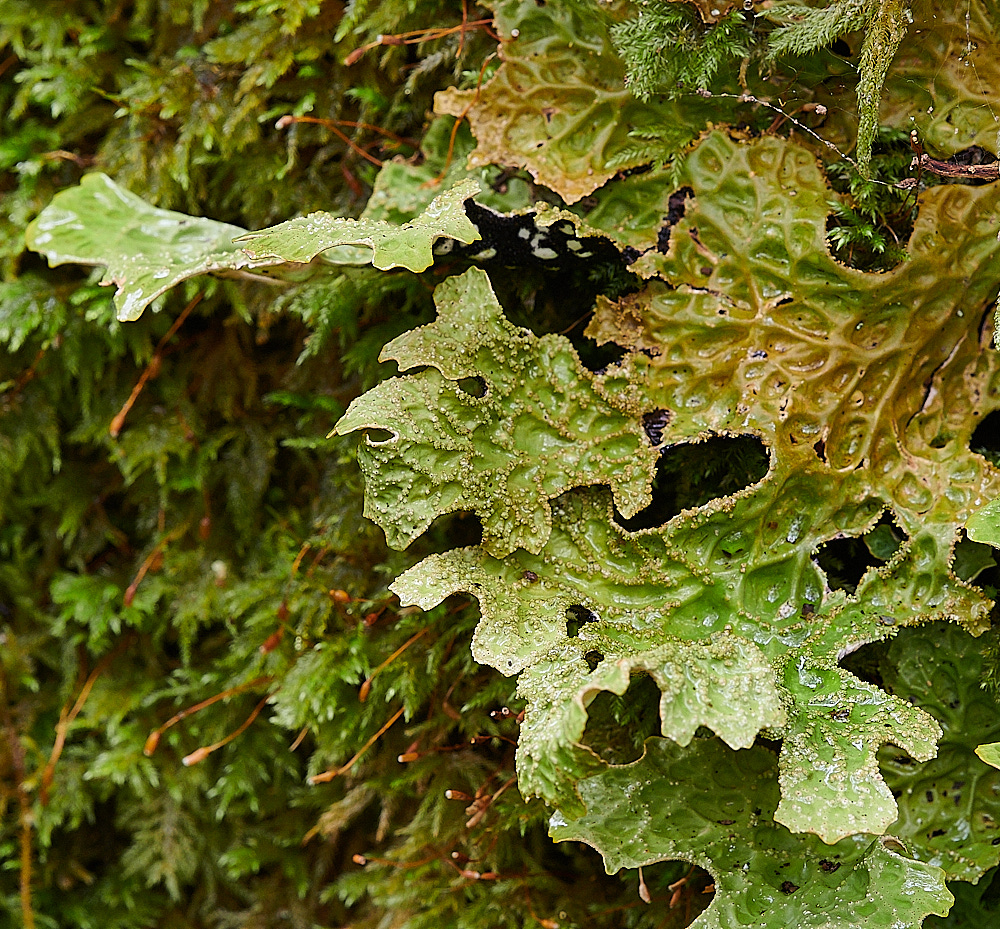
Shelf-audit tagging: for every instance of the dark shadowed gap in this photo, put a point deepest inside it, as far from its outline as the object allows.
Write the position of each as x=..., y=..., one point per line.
x=676, y=206
x=598, y=358
x=593, y=658
x=990, y=898
x=653, y=424
x=845, y=561
x=460, y=529
x=474, y=386
x=562, y=303
x=682, y=892
x=546, y=277
x=675, y=888
x=866, y=662
x=869, y=225
x=618, y=726
x=691, y=474
x=985, y=440
x=577, y=617
x=976, y=564
x=859, y=243
x=976, y=905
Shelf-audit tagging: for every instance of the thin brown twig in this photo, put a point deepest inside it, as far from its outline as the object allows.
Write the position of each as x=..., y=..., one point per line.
x=60, y=154
x=404, y=865
x=428, y=35
x=329, y=124
x=576, y=322
x=202, y=753
x=67, y=715
x=402, y=140
x=31, y=372
x=464, y=26
x=154, y=737
x=367, y=685
x=479, y=809
x=23, y=799
x=151, y=559
x=306, y=546
x=7, y=63
x=987, y=172
x=417, y=36
x=458, y=122
x=152, y=369
x=298, y=739
x=343, y=769
x=316, y=559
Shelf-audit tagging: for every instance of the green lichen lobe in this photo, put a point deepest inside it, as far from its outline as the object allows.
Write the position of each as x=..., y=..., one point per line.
x=715, y=808
x=498, y=423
